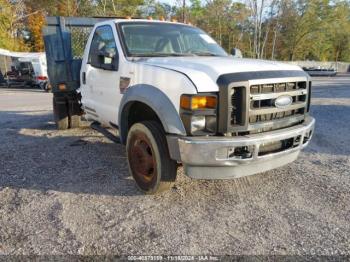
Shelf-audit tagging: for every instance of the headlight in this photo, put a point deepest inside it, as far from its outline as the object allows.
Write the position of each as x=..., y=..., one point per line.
x=197, y=123
x=198, y=113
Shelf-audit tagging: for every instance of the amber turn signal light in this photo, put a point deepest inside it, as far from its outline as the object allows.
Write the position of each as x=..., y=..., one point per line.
x=62, y=87
x=198, y=102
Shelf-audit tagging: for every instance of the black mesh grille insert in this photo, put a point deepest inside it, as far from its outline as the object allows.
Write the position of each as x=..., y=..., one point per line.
x=237, y=105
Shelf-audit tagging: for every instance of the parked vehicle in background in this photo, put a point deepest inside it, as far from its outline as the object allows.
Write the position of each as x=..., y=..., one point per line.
x=21, y=74
x=3, y=81
x=175, y=96
x=40, y=72
x=319, y=71
x=24, y=69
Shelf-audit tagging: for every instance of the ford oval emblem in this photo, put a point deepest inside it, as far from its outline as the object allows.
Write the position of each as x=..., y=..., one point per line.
x=283, y=101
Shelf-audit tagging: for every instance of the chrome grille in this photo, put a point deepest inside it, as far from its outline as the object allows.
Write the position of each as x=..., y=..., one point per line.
x=277, y=87
x=262, y=108
x=261, y=113
x=248, y=101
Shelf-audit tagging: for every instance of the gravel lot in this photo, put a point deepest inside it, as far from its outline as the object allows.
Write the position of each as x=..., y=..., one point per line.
x=69, y=192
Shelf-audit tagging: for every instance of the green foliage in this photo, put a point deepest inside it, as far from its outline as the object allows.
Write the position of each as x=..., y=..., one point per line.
x=338, y=32
x=10, y=27
x=279, y=29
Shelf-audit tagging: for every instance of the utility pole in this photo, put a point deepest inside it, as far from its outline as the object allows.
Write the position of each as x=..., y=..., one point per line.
x=183, y=10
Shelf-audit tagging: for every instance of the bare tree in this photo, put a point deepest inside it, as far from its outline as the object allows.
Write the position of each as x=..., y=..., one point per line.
x=262, y=13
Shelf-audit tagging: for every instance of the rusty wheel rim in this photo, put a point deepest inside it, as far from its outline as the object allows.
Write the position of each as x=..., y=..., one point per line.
x=142, y=160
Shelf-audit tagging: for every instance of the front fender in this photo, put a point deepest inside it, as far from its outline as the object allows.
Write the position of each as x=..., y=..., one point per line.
x=160, y=104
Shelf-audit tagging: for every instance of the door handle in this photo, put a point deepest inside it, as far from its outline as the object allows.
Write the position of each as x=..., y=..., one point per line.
x=84, y=78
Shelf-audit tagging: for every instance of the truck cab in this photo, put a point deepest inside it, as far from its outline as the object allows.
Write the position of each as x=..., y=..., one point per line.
x=176, y=97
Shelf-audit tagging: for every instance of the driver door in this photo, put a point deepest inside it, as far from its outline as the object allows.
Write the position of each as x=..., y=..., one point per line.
x=102, y=75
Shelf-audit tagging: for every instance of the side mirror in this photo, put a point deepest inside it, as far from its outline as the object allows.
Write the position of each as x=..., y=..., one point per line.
x=109, y=52
x=235, y=52
x=106, y=59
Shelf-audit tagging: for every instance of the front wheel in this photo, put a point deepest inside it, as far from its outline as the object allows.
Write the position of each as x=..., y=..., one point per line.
x=148, y=157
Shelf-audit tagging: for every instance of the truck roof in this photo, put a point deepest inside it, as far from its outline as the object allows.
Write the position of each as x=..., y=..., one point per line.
x=126, y=20
x=92, y=21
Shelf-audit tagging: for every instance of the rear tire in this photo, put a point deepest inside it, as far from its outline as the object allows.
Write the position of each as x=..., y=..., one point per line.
x=60, y=115
x=148, y=158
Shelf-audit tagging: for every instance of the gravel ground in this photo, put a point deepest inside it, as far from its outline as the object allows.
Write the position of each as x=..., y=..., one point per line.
x=69, y=192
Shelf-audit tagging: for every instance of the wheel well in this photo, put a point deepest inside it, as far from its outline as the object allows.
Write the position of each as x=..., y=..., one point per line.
x=135, y=112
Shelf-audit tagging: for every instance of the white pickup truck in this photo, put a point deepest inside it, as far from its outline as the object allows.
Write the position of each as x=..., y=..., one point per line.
x=176, y=97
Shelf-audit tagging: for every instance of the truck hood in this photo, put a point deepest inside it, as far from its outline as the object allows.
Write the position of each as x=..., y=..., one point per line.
x=204, y=71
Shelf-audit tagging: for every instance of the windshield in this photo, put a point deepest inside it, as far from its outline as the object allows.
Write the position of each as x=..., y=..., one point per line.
x=142, y=39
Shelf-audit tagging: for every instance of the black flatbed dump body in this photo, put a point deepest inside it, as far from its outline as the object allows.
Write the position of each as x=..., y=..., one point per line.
x=65, y=39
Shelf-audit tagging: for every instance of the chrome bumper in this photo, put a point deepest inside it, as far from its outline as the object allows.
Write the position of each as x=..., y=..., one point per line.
x=211, y=157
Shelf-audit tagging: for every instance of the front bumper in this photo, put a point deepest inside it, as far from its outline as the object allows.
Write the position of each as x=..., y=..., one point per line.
x=210, y=157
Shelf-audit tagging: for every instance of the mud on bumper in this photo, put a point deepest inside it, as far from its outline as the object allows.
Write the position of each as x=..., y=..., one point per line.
x=231, y=157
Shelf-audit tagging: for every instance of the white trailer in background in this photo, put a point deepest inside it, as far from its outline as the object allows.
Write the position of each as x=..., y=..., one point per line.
x=12, y=62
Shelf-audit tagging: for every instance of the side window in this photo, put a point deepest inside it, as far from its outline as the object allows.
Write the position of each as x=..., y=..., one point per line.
x=103, y=50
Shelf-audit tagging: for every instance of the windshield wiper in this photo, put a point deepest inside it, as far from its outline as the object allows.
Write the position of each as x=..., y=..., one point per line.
x=205, y=54
x=161, y=54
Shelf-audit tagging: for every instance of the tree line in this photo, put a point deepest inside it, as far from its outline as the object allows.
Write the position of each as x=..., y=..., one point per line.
x=267, y=29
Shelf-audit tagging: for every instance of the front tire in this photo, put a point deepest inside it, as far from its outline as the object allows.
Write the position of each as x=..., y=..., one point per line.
x=148, y=157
